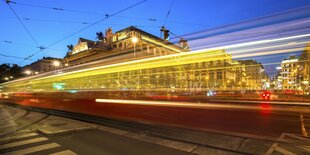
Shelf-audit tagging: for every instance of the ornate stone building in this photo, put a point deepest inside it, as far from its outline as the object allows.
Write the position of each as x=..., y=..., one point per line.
x=303, y=78
x=130, y=43
x=43, y=65
x=256, y=77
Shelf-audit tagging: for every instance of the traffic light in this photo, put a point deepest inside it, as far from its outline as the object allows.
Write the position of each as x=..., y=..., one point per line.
x=166, y=34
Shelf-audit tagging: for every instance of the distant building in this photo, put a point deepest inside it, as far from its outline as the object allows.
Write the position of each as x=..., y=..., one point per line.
x=42, y=65
x=303, y=78
x=131, y=43
x=256, y=77
x=289, y=73
x=241, y=78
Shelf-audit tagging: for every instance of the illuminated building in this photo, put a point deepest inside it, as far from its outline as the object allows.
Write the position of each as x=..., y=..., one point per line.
x=256, y=77
x=241, y=78
x=289, y=73
x=131, y=43
x=304, y=69
x=277, y=80
x=42, y=65
x=182, y=73
x=132, y=60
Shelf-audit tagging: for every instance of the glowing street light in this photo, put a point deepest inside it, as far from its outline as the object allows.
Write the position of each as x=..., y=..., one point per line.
x=36, y=73
x=56, y=63
x=28, y=72
x=134, y=41
x=6, y=78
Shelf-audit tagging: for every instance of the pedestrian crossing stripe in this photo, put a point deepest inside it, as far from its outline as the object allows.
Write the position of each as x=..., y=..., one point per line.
x=18, y=137
x=33, y=149
x=24, y=142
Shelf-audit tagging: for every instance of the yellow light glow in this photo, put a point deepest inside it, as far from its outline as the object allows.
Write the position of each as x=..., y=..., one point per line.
x=56, y=63
x=134, y=39
x=28, y=72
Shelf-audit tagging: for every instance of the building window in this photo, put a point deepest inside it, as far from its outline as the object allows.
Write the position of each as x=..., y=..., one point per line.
x=219, y=75
x=211, y=75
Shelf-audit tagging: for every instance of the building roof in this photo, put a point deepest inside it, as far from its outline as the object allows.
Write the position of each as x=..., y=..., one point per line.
x=165, y=42
x=90, y=43
x=248, y=62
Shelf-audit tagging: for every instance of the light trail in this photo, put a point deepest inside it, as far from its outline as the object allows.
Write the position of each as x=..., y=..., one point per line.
x=269, y=102
x=205, y=105
x=301, y=44
x=269, y=53
x=189, y=53
x=164, y=61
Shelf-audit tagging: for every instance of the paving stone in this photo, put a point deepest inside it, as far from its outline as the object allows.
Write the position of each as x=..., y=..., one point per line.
x=211, y=151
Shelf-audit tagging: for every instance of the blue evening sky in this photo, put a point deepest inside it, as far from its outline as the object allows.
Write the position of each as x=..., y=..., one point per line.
x=48, y=25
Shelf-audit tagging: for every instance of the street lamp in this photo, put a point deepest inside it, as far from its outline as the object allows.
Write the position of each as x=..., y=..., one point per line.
x=56, y=64
x=36, y=73
x=134, y=41
x=6, y=78
x=28, y=72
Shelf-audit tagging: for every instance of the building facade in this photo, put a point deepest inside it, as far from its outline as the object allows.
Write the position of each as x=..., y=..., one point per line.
x=131, y=43
x=256, y=77
x=303, y=77
x=42, y=65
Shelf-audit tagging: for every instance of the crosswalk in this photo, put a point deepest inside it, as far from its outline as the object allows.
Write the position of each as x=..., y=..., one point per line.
x=31, y=143
x=302, y=148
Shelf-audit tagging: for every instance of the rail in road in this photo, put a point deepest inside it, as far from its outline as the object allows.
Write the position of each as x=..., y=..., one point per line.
x=191, y=141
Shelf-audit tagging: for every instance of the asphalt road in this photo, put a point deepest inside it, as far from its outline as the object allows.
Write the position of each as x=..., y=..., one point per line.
x=95, y=142
x=258, y=119
x=263, y=119
x=34, y=133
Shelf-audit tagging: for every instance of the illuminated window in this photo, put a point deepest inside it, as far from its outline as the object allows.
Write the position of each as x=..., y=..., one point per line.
x=219, y=75
x=211, y=75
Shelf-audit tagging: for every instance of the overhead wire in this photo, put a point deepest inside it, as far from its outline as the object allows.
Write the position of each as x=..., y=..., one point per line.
x=76, y=22
x=87, y=27
x=80, y=30
x=24, y=26
x=100, y=14
x=10, y=56
x=168, y=13
x=23, y=44
x=54, y=8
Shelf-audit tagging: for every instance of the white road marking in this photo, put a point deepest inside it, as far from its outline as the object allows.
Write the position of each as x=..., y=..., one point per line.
x=33, y=149
x=201, y=105
x=297, y=137
x=262, y=101
x=8, y=125
x=18, y=136
x=280, y=149
x=66, y=152
x=24, y=142
x=307, y=148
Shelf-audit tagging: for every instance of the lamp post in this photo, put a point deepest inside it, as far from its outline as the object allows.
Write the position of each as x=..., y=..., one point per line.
x=56, y=64
x=28, y=72
x=134, y=41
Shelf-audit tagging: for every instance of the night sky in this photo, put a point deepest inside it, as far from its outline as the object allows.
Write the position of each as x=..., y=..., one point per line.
x=48, y=25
